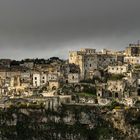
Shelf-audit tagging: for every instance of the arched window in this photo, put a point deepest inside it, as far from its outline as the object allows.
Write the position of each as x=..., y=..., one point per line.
x=54, y=88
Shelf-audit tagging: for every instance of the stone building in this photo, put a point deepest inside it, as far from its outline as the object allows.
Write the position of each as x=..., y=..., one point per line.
x=133, y=50
x=103, y=60
x=118, y=69
x=106, y=51
x=3, y=73
x=132, y=59
x=91, y=65
x=25, y=78
x=73, y=78
x=54, y=84
x=39, y=78
x=15, y=81
x=42, y=78
x=86, y=59
x=52, y=76
x=101, y=91
x=116, y=88
x=36, y=79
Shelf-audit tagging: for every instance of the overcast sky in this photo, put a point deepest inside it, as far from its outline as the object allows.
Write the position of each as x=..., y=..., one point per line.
x=45, y=28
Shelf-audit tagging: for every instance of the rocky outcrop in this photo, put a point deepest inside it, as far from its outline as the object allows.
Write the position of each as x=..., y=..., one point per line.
x=121, y=119
x=67, y=122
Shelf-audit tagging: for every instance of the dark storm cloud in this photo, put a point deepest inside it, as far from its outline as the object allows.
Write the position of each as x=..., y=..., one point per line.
x=44, y=28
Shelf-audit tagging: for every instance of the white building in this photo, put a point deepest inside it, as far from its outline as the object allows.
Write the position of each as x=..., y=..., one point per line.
x=132, y=59
x=118, y=69
x=39, y=79
x=36, y=79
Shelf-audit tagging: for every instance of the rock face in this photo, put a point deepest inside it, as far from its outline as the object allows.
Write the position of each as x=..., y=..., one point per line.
x=127, y=121
x=68, y=122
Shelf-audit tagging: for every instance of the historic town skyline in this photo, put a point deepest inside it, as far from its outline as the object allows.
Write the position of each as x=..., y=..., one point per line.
x=69, y=69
